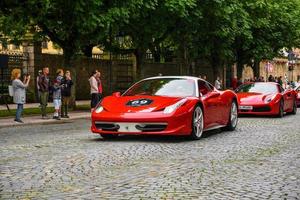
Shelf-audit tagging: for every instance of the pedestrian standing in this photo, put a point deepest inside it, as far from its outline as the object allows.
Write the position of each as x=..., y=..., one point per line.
x=100, y=88
x=94, y=89
x=19, y=92
x=57, y=86
x=38, y=87
x=66, y=94
x=44, y=85
x=218, y=83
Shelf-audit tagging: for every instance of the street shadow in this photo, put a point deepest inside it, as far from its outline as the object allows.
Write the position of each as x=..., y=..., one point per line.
x=143, y=138
x=155, y=138
x=213, y=133
x=264, y=116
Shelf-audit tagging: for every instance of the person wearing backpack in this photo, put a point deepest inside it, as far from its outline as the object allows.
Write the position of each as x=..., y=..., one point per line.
x=19, y=92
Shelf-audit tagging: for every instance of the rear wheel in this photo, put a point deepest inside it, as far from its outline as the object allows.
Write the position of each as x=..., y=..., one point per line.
x=109, y=136
x=197, y=123
x=233, y=117
x=281, y=111
x=294, y=112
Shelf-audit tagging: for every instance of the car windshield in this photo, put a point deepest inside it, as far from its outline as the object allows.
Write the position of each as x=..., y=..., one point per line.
x=258, y=88
x=177, y=87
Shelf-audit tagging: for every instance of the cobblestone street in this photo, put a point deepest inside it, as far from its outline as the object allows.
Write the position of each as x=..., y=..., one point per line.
x=260, y=160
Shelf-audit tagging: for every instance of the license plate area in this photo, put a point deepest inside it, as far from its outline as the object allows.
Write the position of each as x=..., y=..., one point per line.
x=246, y=107
x=128, y=127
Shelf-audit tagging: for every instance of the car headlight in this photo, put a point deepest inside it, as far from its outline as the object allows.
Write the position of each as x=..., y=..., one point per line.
x=99, y=109
x=172, y=108
x=270, y=98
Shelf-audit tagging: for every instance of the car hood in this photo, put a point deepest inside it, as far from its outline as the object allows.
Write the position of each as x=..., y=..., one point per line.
x=253, y=98
x=140, y=103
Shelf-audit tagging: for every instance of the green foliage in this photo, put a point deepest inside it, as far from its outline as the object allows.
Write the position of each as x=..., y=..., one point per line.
x=220, y=31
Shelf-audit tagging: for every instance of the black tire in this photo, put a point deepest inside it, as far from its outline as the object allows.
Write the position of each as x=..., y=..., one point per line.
x=294, y=112
x=281, y=111
x=233, y=119
x=197, y=124
x=109, y=136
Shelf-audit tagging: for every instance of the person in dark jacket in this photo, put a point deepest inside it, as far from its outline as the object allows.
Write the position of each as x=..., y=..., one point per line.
x=66, y=94
x=43, y=83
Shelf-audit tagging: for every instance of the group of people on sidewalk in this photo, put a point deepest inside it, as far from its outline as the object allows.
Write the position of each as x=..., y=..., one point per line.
x=60, y=88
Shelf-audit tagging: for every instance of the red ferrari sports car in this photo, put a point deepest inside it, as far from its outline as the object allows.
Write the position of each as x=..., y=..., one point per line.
x=265, y=98
x=166, y=105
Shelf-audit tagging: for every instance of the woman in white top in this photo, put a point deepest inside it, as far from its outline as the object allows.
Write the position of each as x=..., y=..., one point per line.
x=94, y=89
x=218, y=83
x=19, y=92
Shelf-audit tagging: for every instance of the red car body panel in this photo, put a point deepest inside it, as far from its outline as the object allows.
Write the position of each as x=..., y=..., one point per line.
x=297, y=90
x=216, y=107
x=259, y=103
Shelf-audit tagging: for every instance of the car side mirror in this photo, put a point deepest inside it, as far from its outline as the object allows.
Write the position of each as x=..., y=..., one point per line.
x=116, y=94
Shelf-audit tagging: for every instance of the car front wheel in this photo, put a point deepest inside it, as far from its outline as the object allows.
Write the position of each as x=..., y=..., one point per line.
x=197, y=123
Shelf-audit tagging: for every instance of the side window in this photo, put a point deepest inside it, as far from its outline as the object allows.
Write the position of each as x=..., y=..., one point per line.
x=210, y=86
x=203, y=88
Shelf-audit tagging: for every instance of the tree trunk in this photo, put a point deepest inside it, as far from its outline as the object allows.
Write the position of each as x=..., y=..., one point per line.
x=239, y=69
x=256, y=69
x=139, y=54
x=216, y=66
x=68, y=64
x=88, y=50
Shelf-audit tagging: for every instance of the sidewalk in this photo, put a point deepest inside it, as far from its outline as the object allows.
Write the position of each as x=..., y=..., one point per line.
x=37, y=119
x=36, y=105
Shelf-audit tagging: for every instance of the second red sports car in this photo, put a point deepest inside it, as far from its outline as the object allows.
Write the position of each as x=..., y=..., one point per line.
x=297, y=89
x=266, y=98
x=166, y=105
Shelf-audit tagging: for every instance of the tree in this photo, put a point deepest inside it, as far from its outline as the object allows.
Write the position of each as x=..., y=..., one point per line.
x=73, y=25
x=272, y=26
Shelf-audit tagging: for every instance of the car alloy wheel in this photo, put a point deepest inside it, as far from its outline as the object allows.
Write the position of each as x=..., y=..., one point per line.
x=197, y=123
x=294, y=112
x=233, y=117
x=281, y=111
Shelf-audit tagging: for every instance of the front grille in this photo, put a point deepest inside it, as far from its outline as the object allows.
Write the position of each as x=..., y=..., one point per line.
x=261, y=109
x=130, y=126
x=107, y=126
x=151, y=127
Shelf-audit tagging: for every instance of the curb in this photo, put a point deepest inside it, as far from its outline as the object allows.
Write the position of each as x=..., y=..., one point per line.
x=44, y=122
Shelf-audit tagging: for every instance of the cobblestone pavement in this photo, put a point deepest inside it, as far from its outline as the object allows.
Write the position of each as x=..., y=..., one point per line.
x=260, y=160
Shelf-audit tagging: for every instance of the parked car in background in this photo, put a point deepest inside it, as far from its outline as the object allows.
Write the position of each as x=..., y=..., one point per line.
x=297, y=90
x=265, y=98
x=166, y=105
